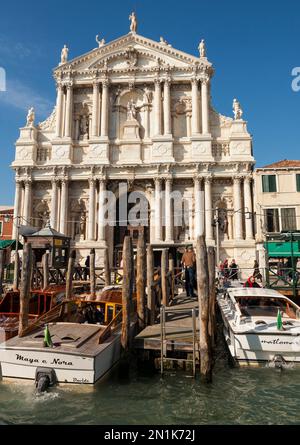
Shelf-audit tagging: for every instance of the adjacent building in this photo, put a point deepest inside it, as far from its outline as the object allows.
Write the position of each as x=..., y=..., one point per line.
x=6, y=223
x=139, y=112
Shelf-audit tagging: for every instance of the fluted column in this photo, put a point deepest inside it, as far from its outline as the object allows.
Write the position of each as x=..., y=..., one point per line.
x=101, y=222
x=157, y=107
x=167, y=108
x=64, y=206
x=91, y=229
x=199, y=208
x=237, y=195
x=104, y=108
x=17, y=208
x=195, y=107
x=53, y=216
x=208, y=209
x=69, y=108
x=158, y=212
x=27, y=202
x=248, y=208
x=59, y=104
x=205, y=108
x=168, y=211
x=95, y=112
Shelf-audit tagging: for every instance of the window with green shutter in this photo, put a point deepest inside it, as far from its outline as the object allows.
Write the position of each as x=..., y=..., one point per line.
x=298, y=182
x=269, y=183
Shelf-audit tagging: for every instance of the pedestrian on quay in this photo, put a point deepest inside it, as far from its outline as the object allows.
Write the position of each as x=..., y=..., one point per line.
x=189, y=262
x=256, y=274
x=233, y=271
x=87, y=268
x=251, y=282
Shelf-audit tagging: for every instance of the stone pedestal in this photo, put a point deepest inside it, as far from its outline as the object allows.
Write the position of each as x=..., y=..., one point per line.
x=26, y=147
x=162, y=150
x=130, y=144
x=240, y=142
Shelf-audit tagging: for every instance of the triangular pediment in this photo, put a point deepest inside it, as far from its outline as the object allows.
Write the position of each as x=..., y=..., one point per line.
x=133, y=51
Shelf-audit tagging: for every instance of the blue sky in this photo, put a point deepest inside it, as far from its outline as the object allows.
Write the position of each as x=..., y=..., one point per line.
x=253, y=45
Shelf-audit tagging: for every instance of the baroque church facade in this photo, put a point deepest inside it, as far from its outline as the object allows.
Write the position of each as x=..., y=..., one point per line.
x=139, y=112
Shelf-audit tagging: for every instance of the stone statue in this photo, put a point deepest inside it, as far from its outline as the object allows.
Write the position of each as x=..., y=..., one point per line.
x=100, y=42
x=202, y=48
x=131, y=110
x=163, y=41
x=84, y=125
x=64, y=54
x=30, y=117
x=237, y=110
x=133, y=24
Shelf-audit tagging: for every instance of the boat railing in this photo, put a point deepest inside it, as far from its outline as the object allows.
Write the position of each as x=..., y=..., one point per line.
x=53, y=315
x=109, y=328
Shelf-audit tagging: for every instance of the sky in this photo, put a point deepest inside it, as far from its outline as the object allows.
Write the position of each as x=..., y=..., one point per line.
x=254, y=46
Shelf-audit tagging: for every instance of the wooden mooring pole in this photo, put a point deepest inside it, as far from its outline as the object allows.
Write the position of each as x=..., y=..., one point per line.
x=127, y=287
x=212, y=295
x=1, y=270
x=92, y=274
x=70, y=272
x=150, y=290
x=25, y=287
x=172, y=277
x=203, y=297
x=164, y=278
x=141, y=280
x=45, y=264
x=106, y=268
x=16, y=271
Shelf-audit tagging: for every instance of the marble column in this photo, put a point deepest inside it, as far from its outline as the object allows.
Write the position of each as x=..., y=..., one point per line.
x=92, y=208
x=238, y=217
x=208, y=209
x=158, y=210
x=53, y=215
x=64, y=206
x=195, y=107
x=248, y=208
x=167, y=108
x=104, y=109
x=101, y=222
x=205, y=107
x=157, y=107
x=17, y=209
x=199, y=208
x=27, y=202
x=59, y=105
x=146, y=121
x=69, y=109
x=169, y=220
x=95, y=112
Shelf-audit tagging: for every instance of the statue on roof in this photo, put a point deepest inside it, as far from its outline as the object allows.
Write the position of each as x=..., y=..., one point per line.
x=100, y=42
x=202, y=48
x=64, y=54
x=30, y=117
x=133, y=24
x=237, y=110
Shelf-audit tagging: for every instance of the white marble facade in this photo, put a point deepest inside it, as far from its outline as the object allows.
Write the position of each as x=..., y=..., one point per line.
x=137, y=111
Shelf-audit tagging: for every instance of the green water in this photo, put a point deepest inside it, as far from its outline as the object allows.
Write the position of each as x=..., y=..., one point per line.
x=237, y=396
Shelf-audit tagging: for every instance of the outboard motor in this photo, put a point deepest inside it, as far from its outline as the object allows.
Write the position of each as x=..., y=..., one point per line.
x=44, y=378
x=279, y=362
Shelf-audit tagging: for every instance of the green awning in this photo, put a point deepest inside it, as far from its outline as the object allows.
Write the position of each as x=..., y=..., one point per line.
x=282, y=249
x=4, y=244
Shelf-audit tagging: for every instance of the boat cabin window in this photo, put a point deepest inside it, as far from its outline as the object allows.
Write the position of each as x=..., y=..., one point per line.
x=267, y=307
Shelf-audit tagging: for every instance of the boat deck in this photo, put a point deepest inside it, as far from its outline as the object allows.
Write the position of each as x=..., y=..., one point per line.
x=74, y=338
x=179, y=327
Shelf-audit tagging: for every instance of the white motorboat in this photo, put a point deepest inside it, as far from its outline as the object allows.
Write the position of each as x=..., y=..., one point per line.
x=260, y=325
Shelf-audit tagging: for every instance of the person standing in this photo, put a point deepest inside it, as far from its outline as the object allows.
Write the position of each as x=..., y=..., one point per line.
x=189, y=261
x=87, y=268
x=234, y=268
x=256, y=274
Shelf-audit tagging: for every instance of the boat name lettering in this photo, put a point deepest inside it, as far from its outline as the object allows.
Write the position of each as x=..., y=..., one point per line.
x=26, y=359
x=75, y=380
x=277, y=341
x=57, y=361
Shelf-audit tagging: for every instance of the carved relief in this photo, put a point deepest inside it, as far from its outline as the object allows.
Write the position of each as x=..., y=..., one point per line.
x=49, y=123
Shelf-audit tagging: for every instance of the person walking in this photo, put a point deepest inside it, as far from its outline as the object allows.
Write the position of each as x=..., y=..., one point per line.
x=189, y=261
x=233, y=271
x=256, y=274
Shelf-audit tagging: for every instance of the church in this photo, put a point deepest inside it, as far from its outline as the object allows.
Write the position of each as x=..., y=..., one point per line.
x=138, y=113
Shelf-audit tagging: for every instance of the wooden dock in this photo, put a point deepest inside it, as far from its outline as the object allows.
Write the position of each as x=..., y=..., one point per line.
x=178, y=327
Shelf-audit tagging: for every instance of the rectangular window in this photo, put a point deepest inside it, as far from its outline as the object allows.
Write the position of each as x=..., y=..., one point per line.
x=272, y=220
x=298, y=182
x=288, y=219
x=269, y=184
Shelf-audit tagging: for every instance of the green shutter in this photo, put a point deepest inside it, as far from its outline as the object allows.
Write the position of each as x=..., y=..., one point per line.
x=265, y=184
x=298, y=183
x=272, y=184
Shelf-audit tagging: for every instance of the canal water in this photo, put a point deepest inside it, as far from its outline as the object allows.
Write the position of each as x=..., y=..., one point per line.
x=264, y=396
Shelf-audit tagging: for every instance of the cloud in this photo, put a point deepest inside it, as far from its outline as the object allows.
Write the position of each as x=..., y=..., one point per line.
x=21, y=96
x=16, y=51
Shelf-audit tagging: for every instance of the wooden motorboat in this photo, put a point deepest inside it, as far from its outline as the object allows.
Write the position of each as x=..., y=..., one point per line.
x=260, y=325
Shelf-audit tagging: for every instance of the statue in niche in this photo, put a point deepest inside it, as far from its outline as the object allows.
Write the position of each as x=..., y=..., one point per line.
x=147, y=96
x=64, y=54
x=131, y=110
x=202, y=48
x=84, y=123
x=237, y=110
x=30, y=117
x=133, y=24
x=100, y=42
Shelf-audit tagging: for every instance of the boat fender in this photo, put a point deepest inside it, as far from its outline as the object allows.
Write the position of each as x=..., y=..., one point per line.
x=279, y=361
x=44, y=377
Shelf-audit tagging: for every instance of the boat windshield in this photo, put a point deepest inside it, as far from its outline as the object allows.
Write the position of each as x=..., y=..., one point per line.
x=267, y=307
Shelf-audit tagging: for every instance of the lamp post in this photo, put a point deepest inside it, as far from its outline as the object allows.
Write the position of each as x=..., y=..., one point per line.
x=16, y=268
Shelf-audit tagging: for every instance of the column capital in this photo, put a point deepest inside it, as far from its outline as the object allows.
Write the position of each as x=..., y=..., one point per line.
x=92, y=181
x=105, y=82
x=204, y=79
x=195, y=81
x=68, y=84
x=157, y=81
x=208, y=179
x=54, y=181
x=64, y=180
x=237, y=179
x=28, y=182
x=158, y=180
x=198, y=178
x=167, y=81
x=248, y=179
